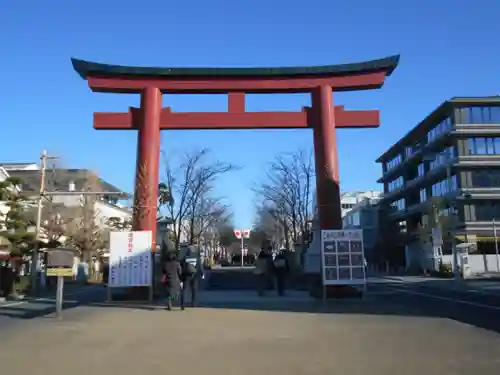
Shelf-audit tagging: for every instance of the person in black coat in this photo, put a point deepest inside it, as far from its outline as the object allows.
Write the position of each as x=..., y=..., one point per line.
x=172, y=275
x=281, y=270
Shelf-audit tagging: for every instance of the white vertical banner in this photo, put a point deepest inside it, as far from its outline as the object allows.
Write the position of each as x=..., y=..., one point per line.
x=130, y=260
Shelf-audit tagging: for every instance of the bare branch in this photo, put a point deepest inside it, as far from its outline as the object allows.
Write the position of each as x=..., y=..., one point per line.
x=190, y=184
x=84, y=231
x=287, y=193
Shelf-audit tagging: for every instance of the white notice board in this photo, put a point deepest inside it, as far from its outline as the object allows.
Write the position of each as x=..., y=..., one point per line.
x=130, y=259
x=342, y=257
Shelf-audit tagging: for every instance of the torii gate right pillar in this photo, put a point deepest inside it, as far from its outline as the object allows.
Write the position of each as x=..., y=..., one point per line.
x=326, y=159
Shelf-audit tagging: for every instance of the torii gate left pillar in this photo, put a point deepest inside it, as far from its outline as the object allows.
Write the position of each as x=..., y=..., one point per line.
x=323, y=117
x=147, y=168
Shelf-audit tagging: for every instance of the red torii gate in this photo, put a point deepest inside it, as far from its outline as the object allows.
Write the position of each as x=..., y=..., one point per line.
x=322, y=116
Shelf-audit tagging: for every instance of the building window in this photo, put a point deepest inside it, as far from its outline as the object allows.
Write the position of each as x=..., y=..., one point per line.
x=410, y=150
x=347, y=206
x=485, y=178
x=394, y=162
x=355, y=218
x=479, y=115
x=483, y=146
x=421, y=170
x=487, y=211
x=399, y=205
x=443, y=157
x=441, y=128
x=396, y=184
x=423, y=195
x=443, y=187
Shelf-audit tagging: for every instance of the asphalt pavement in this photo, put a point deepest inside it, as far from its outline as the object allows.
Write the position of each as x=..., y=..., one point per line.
x=477, y=308
x=29, y=308
x=405, y=325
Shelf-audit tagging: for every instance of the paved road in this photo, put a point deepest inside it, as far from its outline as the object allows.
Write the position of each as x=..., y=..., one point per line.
x=405, y=327
x=466, y=304
x=36, y=307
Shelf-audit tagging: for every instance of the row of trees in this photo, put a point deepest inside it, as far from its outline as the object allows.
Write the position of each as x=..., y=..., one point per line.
x=187, y=199
x=286, y=200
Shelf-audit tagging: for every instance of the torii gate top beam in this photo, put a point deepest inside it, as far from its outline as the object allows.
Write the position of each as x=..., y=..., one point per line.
x=128, y=79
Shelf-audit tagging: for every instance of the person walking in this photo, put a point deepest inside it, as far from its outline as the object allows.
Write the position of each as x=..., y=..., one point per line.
x=281, y=270
x=192, y=274
x=263, y=270
x=171, y=279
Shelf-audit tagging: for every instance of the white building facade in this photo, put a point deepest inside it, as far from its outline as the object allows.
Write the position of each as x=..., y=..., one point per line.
x=105, y=207
x=349, y=200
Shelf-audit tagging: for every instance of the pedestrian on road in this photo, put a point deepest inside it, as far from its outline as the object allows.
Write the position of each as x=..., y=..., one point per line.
x=171, y=279
x=281, y=271
x=192, y=274
x=263, y=270
x=105, y=273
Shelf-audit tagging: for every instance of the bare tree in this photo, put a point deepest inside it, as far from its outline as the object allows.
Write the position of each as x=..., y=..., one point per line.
x=85, y=232
x=190, y=185
x=287, y=196
x=119, y=224
x=56, y=216
x=204, y=217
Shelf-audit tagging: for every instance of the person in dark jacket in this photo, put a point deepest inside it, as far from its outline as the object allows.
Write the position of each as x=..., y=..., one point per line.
x=263, y=269
x=281, y=269
x=172, y=272
x=192, y=274
x=105, y=273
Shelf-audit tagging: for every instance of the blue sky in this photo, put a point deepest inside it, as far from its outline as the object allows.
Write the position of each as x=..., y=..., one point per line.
x=448, y=48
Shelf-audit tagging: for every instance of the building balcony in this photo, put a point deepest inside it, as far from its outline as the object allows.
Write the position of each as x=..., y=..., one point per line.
x=481, y=193
x=421, y=206
x=432, y=146
x=479, y=161
x=432, y=175
x=393, y=195
x=474, y=130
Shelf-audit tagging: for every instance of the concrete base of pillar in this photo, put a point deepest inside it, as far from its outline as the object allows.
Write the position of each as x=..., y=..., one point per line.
x=332, y=291
x=133, y=294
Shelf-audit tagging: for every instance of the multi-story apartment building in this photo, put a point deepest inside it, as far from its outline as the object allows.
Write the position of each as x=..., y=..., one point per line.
x=365, y=215
x=454, y=155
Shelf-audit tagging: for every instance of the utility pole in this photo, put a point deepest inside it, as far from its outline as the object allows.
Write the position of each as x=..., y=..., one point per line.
x=34, y=256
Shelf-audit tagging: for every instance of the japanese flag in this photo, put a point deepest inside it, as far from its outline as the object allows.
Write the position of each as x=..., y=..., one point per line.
x=237, y=233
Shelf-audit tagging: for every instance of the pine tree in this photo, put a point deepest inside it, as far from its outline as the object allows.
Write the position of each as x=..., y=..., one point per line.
x=16, y=222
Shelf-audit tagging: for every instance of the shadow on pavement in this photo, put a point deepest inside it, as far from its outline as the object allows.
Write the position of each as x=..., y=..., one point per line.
x=387, y=299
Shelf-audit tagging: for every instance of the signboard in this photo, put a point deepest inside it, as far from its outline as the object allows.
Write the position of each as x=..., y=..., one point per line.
x=60, y=262
x=246, y=234
x=130, y=260
x=343, y=260
x=63, y=272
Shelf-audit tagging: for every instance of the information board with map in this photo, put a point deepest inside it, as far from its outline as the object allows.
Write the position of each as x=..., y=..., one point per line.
x=343, y=259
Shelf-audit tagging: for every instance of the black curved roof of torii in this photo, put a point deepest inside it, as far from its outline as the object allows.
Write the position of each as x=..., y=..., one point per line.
x=87, y=68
